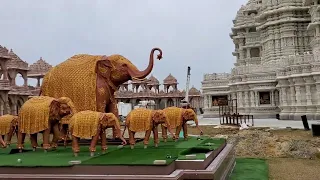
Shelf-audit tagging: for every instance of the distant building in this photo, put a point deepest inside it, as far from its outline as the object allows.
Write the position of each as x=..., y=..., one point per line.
x=277, y=68
x=13, y=96
x=135, y=91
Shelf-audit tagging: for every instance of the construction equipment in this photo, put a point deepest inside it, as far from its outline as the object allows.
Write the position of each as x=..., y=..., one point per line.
x=185, y=101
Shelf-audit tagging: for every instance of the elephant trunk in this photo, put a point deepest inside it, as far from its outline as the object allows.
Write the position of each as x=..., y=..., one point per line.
x=135, y=74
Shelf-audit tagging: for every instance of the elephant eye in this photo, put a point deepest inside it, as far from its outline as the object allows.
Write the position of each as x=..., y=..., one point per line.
x=124, y=65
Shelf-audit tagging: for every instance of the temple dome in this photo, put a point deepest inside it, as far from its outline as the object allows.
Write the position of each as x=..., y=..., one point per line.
x=170, y=80
x=246, y=14
x=39, y=68
x=194, y=91
x=16, y=62
x=4, y=52
x=153, y=80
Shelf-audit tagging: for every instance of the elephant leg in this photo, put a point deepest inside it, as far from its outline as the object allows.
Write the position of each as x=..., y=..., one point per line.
x=75, y=145
x=2, y=143
x=155, y=136
x=164, y=133
x=132, y=141
x=93, y=144
x=21, y=137
x=178, y=129
x=114, y=109
x=46, y=135
x=34, y=143
x=146, y=138
x=103, y=140
x=56, y=135
x=185, y=131
x=9, y=135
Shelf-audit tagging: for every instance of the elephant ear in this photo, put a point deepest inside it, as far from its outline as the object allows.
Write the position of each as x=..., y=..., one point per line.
x=103, y=120
x=14, y=121
x=54, y=109
x=103, y=66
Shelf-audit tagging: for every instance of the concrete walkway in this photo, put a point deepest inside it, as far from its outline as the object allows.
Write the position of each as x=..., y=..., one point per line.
x=263, y=122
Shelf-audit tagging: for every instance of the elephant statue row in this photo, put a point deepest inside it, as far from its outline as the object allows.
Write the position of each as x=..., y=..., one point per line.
x=41, y=114
x=178, y=118
x=90, y=81
x=145, y=120
x=8, y=127
x=92, y=125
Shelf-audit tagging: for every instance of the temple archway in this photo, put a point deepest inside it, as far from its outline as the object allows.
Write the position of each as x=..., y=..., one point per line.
x=170, y=102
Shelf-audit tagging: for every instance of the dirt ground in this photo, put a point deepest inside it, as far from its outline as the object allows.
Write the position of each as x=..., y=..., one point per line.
x=291, y=154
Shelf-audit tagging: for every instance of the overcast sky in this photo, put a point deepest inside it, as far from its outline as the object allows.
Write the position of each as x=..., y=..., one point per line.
x=190, y=33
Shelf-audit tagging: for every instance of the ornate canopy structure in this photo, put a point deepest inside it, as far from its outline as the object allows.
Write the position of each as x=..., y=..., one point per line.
x=12, y=96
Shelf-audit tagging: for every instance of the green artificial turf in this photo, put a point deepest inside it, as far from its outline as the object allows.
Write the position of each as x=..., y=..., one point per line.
x=114, y=155
x=250, y=169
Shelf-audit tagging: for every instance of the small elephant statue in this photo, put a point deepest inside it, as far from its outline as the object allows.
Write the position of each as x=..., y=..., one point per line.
x=64, y=122
x=8, y=127
x=41, y=114
x=178, y=118
x=92, y=125
x=146, y=120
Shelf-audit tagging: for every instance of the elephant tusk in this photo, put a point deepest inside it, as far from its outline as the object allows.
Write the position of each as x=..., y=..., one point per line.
x=143, y=79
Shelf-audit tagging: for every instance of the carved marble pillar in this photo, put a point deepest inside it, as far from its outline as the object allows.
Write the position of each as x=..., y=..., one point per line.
x=248, y=53
x=234, y=96
x=284, y=96
x=298, y=95
x=205, y=101
x=318, y=93
x=308, y=94
x=5, y=108
x=292, y=95
x=5, y=74
x=272, y=98
x=13, y=109
x=257, y=98
x=309, y=81
x=1, y=108
x=252, y=99
x=246, y=99
x=240, y=99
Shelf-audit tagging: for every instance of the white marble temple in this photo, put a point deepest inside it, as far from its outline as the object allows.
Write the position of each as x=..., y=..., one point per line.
x=277, y=68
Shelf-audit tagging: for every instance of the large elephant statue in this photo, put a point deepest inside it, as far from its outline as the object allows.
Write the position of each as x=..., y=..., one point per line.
x=91, y=80
x=41, y=114
x=92, y=125
x=145, y=120
x=8, y=127
x=178, y=118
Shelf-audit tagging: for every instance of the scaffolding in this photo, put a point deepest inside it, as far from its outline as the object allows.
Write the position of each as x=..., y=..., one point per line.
x=229, y=115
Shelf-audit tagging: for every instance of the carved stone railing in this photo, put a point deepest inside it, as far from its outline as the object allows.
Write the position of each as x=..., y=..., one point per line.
x=253, y=38
x=4, y=85
x=216, y=76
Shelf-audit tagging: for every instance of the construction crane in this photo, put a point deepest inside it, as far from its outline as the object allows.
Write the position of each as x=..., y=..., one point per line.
x=185, y=101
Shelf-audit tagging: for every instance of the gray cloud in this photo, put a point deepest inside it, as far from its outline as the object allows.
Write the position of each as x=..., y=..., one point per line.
x=190, y=33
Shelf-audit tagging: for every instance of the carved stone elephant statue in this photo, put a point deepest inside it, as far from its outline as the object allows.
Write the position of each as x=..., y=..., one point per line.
x=178, y=118
x=145, y=120
x=91, y=125
x=8, y=127
x=91, y=80
x=40, y=114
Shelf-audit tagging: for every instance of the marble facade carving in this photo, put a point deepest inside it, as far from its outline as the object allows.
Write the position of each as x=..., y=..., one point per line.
x=277, y=49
